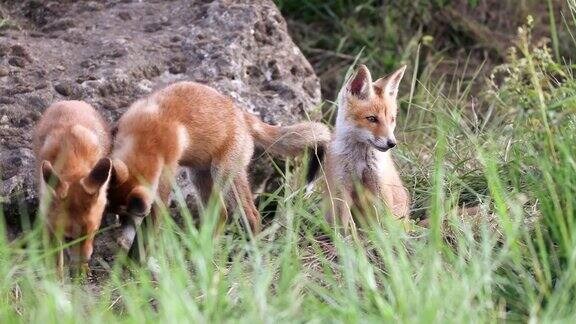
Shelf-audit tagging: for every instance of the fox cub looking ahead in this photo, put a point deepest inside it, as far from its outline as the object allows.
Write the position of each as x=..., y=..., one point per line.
x=193, y=125
x=71, y=142
x=359, y=152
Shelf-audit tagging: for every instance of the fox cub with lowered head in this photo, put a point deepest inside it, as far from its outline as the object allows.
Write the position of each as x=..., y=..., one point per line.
x=71, y=142
x=359, y=154
x=193, y=125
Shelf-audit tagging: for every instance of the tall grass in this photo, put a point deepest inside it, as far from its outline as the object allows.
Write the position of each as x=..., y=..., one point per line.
x=514, y=260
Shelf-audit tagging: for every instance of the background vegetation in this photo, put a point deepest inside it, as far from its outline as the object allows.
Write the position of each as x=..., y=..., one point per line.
x=488, y=120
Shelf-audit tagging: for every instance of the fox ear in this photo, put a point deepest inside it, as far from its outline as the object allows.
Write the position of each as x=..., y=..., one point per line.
x=391, y=83
x=120, y=173
x=138, y=202
x=51, y=179
x=99, y=176
x=360, y=85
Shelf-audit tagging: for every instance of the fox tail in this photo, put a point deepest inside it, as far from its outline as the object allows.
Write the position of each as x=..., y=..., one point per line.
x=292, y=140
x=288, y=140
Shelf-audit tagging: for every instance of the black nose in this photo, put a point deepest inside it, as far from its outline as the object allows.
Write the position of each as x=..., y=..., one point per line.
x=391, y=144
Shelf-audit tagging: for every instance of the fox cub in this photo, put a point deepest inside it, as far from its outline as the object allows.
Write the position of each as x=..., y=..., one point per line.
x=359, y=155
x=193, y=125
x=71, y=143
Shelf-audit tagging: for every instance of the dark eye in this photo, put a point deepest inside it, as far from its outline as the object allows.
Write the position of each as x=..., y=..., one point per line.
x=393, y=118
x=372, y=119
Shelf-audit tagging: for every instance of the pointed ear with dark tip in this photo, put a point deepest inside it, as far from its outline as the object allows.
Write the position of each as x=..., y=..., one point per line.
x=391, y=83
x=52, y=180
x=120, y=173
x=360, y=85
x=99, y=176
x=138, y=202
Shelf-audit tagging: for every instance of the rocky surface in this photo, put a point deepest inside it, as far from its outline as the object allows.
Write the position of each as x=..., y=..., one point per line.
x=110, y=53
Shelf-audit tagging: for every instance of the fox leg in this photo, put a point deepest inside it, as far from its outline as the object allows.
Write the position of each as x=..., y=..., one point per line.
x=150, y=225
x=243, y=197
x=54, y=242
x=339, y=214
x=129, y=239
x=401, y=202
x=342, y=208
x=164, y=189
x=392, y=192
x=60, y=263
x=140, y=229
x=340, y=202
x=396, y=198
x=231, y=178
x=86, y=252
x=79, y=256
x=204, y=185
x=236, y=191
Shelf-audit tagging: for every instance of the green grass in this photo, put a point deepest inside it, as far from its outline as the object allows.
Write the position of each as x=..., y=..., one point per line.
x=509, y=149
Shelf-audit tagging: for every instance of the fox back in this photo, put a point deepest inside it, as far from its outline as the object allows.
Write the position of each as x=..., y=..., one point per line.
x=194, y=125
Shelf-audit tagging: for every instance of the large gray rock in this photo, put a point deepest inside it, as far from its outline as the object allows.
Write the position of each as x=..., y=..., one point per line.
x=109, y=53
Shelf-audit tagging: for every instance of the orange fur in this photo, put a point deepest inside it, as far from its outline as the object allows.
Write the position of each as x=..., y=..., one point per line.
x=359, y=153
x=193, y=125
x=71, y=141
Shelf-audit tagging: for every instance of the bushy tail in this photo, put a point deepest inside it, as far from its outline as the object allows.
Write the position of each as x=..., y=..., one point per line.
x=292, y=140
x=288, y=140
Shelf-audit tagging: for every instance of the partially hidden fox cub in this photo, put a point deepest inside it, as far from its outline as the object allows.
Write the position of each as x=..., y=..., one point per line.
x=193, y=125
x=71, y=141
x=358, y=155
